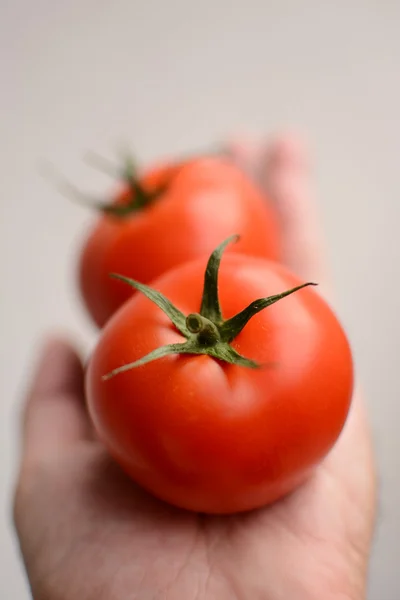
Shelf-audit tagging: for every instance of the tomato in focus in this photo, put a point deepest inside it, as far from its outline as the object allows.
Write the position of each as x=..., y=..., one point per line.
x=214, y=437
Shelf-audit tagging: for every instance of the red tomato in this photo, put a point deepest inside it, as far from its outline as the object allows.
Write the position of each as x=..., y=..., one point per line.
x=215, y=437
x=204, y=200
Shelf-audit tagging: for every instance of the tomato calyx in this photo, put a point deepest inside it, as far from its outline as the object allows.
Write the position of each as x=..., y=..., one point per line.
x=139, y=196
x=206, y=332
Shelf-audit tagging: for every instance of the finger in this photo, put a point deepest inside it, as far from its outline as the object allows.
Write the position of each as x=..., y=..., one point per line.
x=282, y=169
x=285, y=174
x=246, y=154
x=54, y=413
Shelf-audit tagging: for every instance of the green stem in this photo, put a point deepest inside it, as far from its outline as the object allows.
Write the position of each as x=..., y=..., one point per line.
x=139, y=196
x=206, y=332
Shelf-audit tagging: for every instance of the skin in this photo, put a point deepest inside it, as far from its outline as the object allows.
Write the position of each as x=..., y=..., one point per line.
x=86, y=532
x=205, y=201
x=177, y=424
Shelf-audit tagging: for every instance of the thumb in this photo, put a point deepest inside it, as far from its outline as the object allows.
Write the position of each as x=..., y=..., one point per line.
x=54, y=414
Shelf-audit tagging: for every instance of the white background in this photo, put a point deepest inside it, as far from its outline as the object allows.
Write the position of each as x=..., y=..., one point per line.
x=173, y=76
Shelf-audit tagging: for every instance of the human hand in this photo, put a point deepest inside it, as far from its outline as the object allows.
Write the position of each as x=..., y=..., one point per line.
x=87, y=532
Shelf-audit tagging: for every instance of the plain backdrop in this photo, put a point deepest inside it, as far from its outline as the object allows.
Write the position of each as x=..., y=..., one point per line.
x=176, y=76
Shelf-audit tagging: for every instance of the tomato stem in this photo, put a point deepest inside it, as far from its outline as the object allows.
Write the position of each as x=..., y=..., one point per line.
x=139, y=196
x=206, y=332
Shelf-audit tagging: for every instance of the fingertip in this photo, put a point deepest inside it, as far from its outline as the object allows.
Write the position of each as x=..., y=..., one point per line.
x=288, y=151
x=245, y=153
x=288, y=181
x=54, y=413
x=58, y=367
x=282, y=167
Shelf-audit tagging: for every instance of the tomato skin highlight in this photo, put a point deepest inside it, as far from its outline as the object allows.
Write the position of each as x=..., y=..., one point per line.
x=205, y=200
x=212, y=437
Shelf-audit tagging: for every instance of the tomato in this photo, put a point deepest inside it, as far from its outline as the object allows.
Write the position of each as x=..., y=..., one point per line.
x=200, y=202
x=228, y=434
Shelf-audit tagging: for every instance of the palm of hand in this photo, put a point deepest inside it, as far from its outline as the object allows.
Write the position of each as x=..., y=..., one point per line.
x=119, y=542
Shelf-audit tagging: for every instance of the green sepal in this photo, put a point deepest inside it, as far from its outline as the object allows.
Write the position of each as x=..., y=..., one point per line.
x=206, y=332
x=128, y=174
x=176, y=316
x=220, y=351
x=210, y=306
x=232, y=327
